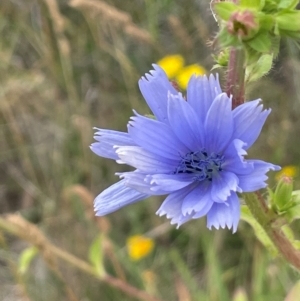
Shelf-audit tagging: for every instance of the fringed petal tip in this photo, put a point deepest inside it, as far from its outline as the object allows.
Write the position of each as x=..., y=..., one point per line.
x=152, y=74
x=225, y=215
x=217, y=224
x=175, y=220
x=217, y=227
x=276, y=167
x=212, y=78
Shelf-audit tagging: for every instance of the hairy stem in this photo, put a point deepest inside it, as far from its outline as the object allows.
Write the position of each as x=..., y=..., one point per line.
x=235, y=85
x=266, y=220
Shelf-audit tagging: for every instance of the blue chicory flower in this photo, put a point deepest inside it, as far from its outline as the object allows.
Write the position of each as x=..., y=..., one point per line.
x=193, y=151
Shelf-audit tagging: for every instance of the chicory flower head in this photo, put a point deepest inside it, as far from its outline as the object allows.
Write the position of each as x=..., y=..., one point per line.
x=193, y=152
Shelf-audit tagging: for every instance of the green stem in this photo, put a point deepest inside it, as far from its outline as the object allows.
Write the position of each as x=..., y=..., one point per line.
x=267, y=220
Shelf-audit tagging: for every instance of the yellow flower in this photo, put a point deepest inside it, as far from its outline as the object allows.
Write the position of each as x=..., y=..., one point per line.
x=185, y=74
x=139, y=246
x=171, y=64
x=289, y=171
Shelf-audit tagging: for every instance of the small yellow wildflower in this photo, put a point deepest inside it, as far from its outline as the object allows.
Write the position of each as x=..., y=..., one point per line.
x=139, y=246
x=185, y=74
x=288, y=171
x=171, y=64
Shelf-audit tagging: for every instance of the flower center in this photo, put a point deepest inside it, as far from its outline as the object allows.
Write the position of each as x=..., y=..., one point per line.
x=201, y=164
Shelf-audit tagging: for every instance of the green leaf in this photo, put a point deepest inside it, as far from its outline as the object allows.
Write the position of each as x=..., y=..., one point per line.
x=261, y=42
x=225, y=9
x=296, y=196
x=266, y=22
x=96, y=255
x=256, y=4
x=271, y=6
x=252, y=56
x=289, y=21
x=293, y=213
x=260, y=68
x=225, y=39
x=289, y=4
x=258, y=230
x=25, y=259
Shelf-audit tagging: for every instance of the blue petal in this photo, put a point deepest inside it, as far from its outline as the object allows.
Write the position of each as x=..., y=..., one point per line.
x=136, y=180
x=185, y=123
x=201, y=92
x=223, y=184
x=141, y=182
x=158, y=184
x=107, y=140
x=156, y=137
x=169, y=183
x=180, y=220
x=115, y=197
x=171, y=207
x=249, y=119
x=199, y=201
x=222, y=215
x=234, y=158
x=219, y=124
x=255, y=180
x=145, y=161
x=155, y=88
x=204, y=210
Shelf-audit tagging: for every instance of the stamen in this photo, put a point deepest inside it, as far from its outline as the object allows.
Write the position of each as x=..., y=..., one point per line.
x=200, y=163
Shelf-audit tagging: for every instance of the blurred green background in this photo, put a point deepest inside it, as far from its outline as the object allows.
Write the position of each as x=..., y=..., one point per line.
x=67, y=66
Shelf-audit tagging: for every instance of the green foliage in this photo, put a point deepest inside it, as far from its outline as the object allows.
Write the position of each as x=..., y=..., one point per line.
x=258, y=68
x=288, y=23
x=26, y=258
x=287, y=4
x=225, y=9
x=96, y=255
x=259, y=231
x=292, y=208
x=261, y=43
x=254, y=25
x=255, y=4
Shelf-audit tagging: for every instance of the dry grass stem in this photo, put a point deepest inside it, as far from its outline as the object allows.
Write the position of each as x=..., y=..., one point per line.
x=180, y=32
x=114, y=16
x=58, y=24
x=21, y=228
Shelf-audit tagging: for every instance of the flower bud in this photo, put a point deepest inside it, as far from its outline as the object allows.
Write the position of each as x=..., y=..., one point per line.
x=243, y=24
x=283, y=193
